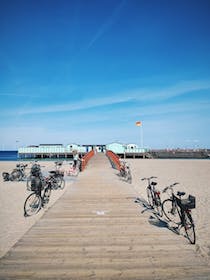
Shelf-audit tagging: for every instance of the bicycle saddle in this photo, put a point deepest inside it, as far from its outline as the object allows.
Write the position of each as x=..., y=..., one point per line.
x=153, y=183
x=180, y=193
x=52, y=172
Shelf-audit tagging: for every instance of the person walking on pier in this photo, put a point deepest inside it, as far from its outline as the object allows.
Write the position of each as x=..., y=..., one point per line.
x=75, y=158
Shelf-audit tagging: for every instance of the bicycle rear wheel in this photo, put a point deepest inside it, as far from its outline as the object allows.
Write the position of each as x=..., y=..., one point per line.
x=32, y=204
x=189, y=227
x=170, y=211
x=129, y=177
x=46, y=195
x=150, y=197
x=158, y=205
x=61, y=182
x=16, y=175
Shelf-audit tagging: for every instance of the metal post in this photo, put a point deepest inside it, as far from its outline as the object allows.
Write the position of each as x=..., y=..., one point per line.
x=141, y=131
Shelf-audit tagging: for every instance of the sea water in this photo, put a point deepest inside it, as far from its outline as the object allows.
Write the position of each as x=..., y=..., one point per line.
x=8, y=155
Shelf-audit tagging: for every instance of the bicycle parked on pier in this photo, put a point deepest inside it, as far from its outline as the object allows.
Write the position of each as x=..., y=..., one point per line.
x=125, y=171
x=73, y=170
x=178, y=210
x=57, y=177
x=39, y=197
x=153, y=195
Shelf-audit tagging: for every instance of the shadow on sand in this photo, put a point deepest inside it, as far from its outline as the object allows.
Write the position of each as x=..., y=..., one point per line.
x=154, y=219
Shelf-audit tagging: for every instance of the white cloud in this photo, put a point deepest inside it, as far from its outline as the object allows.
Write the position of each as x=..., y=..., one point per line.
x=139, y=95
x=107, y=24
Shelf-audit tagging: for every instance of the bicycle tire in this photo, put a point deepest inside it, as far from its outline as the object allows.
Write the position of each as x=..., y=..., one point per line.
x=16, y=175
x=158, y=205
x=32, y=204
x=129, y=178
x=189, y=227
x=46, y=196
x=62, y=184
x=171, y=213
x=150, y=197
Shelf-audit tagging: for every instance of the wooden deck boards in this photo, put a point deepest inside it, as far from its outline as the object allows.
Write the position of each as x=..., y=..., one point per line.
x=96, y=231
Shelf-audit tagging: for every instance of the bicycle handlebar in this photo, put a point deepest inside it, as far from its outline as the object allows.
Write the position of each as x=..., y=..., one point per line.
x=149, y=178
x=170, y=187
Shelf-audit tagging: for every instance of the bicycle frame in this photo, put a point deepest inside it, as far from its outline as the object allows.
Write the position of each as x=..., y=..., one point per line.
x=176, y=205
x=153, y=195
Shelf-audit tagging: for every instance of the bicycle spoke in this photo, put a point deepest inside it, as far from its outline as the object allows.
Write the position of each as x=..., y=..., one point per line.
x=189, y=227
x=46, y=196
x=150, y=198
x=170, y=211
x=32, y=204
x=158, y=206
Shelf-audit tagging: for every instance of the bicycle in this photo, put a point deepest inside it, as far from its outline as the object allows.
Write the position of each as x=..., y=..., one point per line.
x=153, y=195
x=38, y=198
x=74, y=170
x=125, y=172
x=18, y=174
x=178, y=210
x=57, y=180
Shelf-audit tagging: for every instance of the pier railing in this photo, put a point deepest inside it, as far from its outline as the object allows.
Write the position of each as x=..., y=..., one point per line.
x=86, y=158
x=114, y=159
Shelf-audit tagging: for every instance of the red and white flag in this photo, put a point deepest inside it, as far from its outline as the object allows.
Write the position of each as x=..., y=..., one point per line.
x=138, y=123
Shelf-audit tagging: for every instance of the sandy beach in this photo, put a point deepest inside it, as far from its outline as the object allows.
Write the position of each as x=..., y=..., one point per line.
x=13, y=224
x=194, y=179
x=193, y=176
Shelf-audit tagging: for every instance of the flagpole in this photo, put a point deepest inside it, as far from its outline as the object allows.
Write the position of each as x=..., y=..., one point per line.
x=139, y=123
x=141, y=135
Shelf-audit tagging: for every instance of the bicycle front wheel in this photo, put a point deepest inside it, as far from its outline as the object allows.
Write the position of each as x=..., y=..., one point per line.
x=189, y=227
x=32, y=204
x=170, y=211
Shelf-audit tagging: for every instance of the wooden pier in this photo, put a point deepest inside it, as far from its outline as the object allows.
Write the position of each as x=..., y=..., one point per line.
x=96, y=231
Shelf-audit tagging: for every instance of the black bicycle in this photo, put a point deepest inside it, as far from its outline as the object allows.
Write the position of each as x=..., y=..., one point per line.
x=18, y=174
x=39, y=197
x=178, y=210
x=57, y=177
x=153, y=195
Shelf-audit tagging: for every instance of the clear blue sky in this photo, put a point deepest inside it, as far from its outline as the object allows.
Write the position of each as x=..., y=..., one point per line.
x=85, y=71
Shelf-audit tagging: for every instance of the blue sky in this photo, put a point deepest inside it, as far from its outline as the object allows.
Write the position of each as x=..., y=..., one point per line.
x=85, y=71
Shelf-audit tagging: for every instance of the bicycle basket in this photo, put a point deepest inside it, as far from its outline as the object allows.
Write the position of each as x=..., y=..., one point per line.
x=36, y=184
x=188, y=203
x=35, y=170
